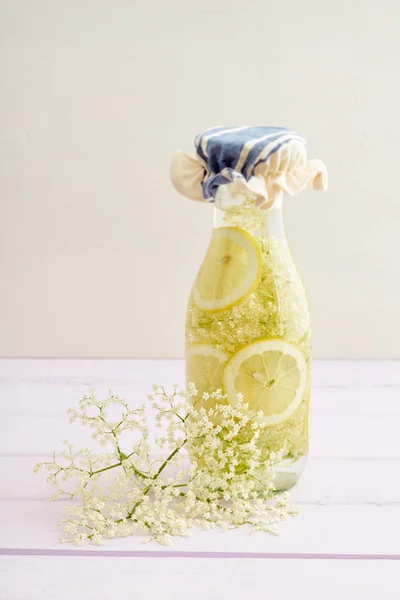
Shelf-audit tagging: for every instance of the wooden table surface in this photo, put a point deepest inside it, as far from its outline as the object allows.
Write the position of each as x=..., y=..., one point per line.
x=344, y=544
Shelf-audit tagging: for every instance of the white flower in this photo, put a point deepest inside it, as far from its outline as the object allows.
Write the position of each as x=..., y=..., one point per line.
x=229, y=481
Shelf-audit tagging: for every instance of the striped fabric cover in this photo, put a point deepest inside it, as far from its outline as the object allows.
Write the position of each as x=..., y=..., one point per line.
x=231, y=152
x=252, y=161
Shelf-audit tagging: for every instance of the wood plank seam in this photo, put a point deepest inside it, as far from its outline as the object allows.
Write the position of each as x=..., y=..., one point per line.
x=188, y=554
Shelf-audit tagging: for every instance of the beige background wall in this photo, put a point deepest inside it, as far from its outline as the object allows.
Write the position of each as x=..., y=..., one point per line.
x=98, y=252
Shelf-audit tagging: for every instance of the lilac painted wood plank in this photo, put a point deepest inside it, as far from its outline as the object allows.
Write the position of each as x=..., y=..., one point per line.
x=319, y=529
x=325, y=481
x=91, y=578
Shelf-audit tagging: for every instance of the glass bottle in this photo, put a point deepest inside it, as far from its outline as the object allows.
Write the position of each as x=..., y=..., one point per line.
x=270, y=323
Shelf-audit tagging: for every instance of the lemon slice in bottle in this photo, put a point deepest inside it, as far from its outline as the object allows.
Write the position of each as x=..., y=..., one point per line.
x=271, y=375
x=204, y=367
x=230, y=271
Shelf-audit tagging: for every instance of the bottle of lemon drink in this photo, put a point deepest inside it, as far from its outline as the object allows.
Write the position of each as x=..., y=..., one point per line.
x=248, y=326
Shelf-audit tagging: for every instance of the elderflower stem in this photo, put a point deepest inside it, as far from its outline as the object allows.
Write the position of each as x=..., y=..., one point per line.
x=91, y=473
x=169, y=458
x=160, y=470
x=119, y=464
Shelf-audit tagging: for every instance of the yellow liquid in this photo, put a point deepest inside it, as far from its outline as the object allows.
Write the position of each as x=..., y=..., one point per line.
x=277, y=308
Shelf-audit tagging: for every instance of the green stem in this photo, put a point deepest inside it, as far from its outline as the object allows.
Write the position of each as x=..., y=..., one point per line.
x=118, y=464
x=148, y=488
x=139, y=473
x=138, y=503
x=170, y=457
x=105, y=469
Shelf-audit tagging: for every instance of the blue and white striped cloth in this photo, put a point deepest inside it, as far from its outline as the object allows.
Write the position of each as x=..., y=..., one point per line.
x=251, y=161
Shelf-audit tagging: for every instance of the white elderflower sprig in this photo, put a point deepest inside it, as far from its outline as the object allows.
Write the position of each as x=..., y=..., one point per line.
x=216, y=471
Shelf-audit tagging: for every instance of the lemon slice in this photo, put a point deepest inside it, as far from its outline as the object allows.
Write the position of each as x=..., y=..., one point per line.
x=204, y=367
x=230, y=271
x=271, y=375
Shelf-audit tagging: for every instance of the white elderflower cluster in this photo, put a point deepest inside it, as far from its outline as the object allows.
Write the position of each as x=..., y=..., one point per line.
x=216, y=471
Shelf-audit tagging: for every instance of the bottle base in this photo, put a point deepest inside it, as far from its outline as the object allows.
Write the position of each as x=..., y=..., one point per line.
x=288, y=473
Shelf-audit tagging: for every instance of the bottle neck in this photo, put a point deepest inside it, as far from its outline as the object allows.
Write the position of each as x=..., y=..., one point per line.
x=266, y=224
x=274, y=224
